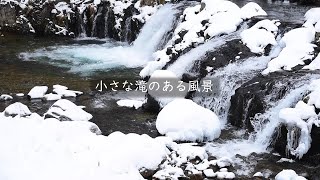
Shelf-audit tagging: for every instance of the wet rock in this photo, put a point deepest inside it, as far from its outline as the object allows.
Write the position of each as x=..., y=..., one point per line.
x=232, y=51
x=249, y=99
x=313, y=155
x=147, y=173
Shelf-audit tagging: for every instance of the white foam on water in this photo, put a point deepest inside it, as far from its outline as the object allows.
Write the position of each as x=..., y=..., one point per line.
x=230, y=78
x=94, y=57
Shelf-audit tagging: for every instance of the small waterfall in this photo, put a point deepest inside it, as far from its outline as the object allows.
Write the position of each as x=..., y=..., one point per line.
x=156, y=28
x=230, y=78
x=267, y=122
x=127, y=29
x=89, y=58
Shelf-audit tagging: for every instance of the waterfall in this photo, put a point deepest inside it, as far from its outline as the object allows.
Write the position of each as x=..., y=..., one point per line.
x=230, y=78
x=156, y=28
x=89, y=58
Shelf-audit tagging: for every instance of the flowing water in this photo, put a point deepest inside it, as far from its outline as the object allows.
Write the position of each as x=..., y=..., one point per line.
x=90, y=58
x=73, y=62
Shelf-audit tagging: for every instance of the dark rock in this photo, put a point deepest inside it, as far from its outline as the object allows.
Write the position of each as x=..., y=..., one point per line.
x=151, y=105
x=313, y=155
x=249, y=99
x=147, y=174
x=224, y=55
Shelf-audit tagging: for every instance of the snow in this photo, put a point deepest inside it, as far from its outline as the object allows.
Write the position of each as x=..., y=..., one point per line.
x=312, y=18
x=38, y=92
x=20, y=94
x=225, y=175
x=161, y=96
x=252, y=9
x=5, y=97
x=220, y=17
x=52, y=97
x=288, y=174
x=299, y=35
x=65, y=110
x=209, y=173
x=145, y=12
x=224, y=162
x=63, y=6
x=184, y=120
x=17, y=109
x=303, y=116
x=297, y=49
x=260, y=35
x=286, y=160
x=50, y=149
x=130, y=103
x=258, y=174
x=314, y=65
x=63, y=91
x=314, y=96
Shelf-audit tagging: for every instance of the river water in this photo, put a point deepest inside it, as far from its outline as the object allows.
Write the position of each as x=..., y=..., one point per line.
x=27, y=61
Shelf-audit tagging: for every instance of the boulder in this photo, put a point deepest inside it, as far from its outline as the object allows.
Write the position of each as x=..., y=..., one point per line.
x=65, y=110
x=17, y=109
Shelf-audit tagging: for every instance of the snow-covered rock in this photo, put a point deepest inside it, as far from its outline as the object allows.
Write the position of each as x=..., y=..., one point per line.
x=38, y=92
x=314, y=65
x=225, y=175
x=224, y=162
x=130, y=103
x=288, y=174
x=252, y=9
x=65, y=110
x=17, y=109
x=303, y=116
x=312, y=18
x=200, y=23
x=19, y=94
x=52, y=97
x=209, y=173
x=162, y=96
x=260, y=35
x=5, y=97
x=258, y=174
x=184, y=120
x=63, y=91
x=297, y=49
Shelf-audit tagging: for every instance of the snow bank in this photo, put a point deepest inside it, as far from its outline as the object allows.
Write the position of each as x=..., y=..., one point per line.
x=303, y=116
x=130, y=103
x=184, y=120
x=260, y=35
x=37, y=92
x=288, y=174
x=199, y=23
x=51, y=149
x=65, y=110
x=297, y=49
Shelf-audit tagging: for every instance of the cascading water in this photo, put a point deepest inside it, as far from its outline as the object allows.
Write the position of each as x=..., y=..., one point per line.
x=86, y=59
x=230, y=78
